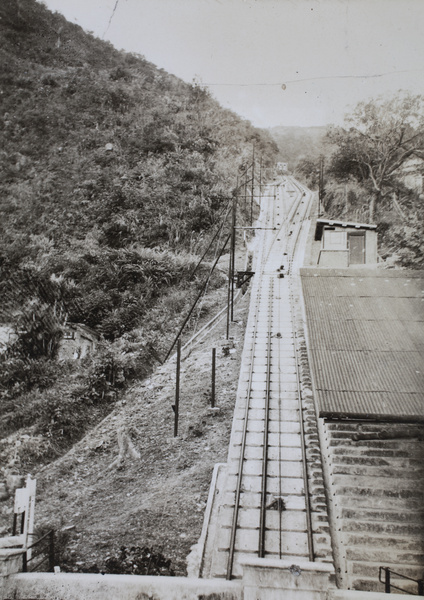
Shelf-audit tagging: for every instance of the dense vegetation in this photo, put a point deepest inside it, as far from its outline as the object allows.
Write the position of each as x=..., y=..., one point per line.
x=114, y=175
x=373, y=172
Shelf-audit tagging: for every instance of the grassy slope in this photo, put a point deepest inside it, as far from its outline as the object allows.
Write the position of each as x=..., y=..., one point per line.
x=158, y=500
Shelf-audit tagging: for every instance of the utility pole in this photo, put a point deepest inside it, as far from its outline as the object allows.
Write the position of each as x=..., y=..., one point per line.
x=321, y=187
x=260, y=179
x=213, y=377
x=233, y=252
x=253, y=185
x=230, y=270
x=245, y=191
x=177, y=389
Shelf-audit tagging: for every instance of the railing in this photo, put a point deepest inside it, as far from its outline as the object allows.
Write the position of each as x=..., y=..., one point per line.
x=43, y=547
x=388, y=585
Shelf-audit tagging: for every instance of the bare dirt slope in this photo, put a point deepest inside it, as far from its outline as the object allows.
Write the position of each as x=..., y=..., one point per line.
x=156, y=500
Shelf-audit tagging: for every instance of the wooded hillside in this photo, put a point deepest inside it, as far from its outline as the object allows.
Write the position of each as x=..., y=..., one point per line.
x=114, y=176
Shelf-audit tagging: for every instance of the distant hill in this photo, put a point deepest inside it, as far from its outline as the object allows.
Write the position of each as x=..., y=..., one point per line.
x=298, y=142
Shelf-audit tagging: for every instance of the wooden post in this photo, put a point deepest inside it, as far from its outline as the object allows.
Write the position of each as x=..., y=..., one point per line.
x=213, y=377
x=233, y=254
x=177, y=389
x=260, y=180
x=245, y=192
x=51, y=551
x=253, y=186
x=321, y=187
x=230, y=269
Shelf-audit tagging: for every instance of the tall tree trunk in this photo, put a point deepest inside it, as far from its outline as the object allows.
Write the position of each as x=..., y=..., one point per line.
x=373, y=201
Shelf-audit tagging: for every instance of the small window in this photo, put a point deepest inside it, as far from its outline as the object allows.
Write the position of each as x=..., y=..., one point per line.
x=69, y=334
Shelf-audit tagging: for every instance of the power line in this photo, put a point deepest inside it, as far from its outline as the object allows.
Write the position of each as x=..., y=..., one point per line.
x=279, y=84
x=111, y=17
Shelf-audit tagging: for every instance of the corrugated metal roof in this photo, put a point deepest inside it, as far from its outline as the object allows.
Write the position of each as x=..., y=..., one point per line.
x=366, y=341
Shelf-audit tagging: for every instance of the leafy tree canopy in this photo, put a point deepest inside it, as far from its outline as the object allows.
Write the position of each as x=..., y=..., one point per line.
x=379, y=137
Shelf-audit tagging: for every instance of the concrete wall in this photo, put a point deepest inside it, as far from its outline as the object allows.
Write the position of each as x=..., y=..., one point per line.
x=266, y=579
x=270, y=582
x=67, y=586
x=10, y=563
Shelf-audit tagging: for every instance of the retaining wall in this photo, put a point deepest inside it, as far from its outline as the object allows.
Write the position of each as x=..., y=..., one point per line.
x=69, y=586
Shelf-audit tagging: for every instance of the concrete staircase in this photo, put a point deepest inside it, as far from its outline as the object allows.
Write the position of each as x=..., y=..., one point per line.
x=376, y=487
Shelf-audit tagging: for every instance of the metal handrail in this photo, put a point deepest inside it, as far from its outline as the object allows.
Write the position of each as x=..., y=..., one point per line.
x=48, y=550
x=388, y=584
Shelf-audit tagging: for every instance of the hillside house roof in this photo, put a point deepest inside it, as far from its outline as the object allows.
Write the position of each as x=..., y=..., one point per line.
x=84, y=331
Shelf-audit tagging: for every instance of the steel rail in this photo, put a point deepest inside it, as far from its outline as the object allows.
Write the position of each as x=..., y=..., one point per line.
x=234, y=521
x=262, y=518
x=280, y=420
x=262, y=528
x=231, y=551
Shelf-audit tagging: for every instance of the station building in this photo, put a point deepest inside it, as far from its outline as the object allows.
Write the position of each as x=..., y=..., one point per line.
x=345, y=244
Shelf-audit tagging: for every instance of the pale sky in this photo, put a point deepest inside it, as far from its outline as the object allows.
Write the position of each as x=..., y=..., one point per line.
x=329, y=54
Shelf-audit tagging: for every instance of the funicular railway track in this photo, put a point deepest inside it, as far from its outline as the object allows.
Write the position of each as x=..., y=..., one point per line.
x=267, y=511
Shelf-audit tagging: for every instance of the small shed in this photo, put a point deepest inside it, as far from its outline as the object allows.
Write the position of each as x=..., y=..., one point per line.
x=77, y=342
x=344, y=244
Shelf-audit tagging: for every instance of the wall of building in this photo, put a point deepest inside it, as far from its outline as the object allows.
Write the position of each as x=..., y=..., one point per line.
x=371, y=247
x=334, y=251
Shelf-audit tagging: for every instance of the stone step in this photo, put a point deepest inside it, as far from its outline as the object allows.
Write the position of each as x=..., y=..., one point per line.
x=378, y=462
x=405, y=437
x=367, y=427
x=373, y=585
x=388, y=528
x=366, y=502
x=378, y=483
x=384, y=491
x=381, y=555
x=341, y=449
x=374, y=444
x=372, y=569
x=416, y=474
x=383, y=514
x=394, y=543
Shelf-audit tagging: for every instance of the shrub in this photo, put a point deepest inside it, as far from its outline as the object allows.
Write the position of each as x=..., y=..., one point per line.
x=139, y=560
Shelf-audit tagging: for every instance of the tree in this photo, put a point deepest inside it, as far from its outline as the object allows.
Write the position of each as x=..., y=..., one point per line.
x=382, y=136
